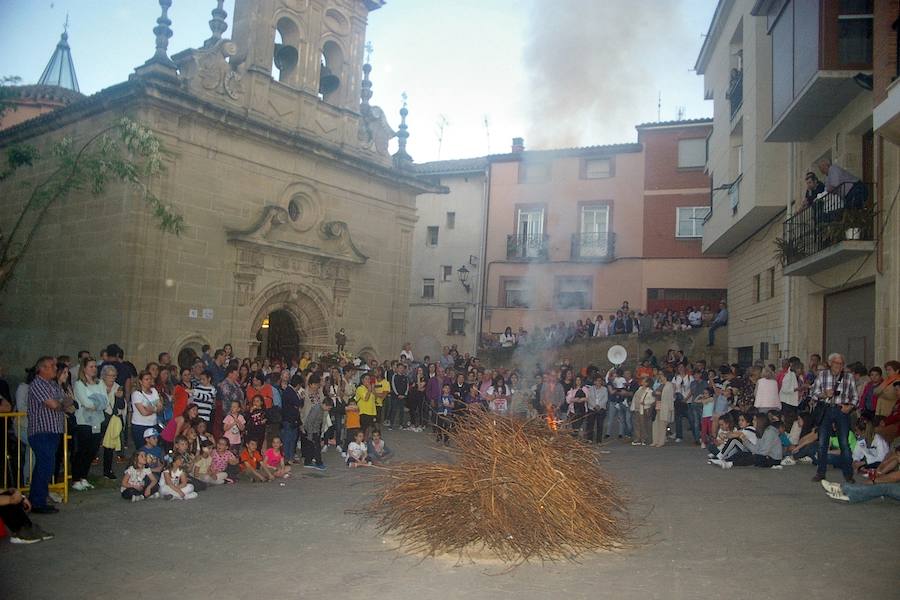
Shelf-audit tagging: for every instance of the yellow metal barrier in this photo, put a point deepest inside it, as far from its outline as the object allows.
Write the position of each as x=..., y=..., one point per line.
x=18, y=459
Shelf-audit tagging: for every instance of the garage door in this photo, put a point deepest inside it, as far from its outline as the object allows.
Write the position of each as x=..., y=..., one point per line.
x=850, y=324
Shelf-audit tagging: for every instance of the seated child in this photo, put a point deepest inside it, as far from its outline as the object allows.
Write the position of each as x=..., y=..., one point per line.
x=224, y=461
x=357, y=453
x=726, y=426
x=377, y=450
x=234, y=424
x=139, y=482
x=274, y=459
x=871, y=449
x=174, y=483
x=252, y=465
x=181, y=448
x=203, y=434
x=202, y=468
x=155, y=454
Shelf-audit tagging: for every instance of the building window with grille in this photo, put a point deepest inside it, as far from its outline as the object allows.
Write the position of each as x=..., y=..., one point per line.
x=573, y=293
x=446, y=272
x=689, y=221
x=457, y=321
x=770, y=276
x=428, y=288
x=515, y=294
x=757, y=293
x=432, y=237
x=692, y=153
x=598, y=168
x=451, y=220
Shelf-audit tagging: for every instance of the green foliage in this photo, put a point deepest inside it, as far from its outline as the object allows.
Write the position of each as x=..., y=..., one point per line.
x=126, y=152
x=7, y=90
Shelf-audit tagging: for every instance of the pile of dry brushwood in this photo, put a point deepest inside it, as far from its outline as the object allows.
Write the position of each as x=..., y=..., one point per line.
x=515, y=489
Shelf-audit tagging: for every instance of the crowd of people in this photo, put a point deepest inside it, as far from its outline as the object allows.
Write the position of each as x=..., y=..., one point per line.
x=624, y=321
x=219, y=419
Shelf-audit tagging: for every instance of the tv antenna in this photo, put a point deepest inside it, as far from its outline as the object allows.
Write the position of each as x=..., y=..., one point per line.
x=442, y=123
x=658, y=107
x=487, y=133
x=680, y=112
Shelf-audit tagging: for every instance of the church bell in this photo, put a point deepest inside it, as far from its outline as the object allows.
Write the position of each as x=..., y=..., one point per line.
x=328, y=81
x=285, y=57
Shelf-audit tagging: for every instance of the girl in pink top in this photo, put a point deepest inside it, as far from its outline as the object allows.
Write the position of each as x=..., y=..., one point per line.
x=234, y=425
x=275, y=459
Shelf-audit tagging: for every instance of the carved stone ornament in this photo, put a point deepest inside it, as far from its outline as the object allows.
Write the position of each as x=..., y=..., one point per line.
x=374, y=131
x=274, y=230
x=213, y=69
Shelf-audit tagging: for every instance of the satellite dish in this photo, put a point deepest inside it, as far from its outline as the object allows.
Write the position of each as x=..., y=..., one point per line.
x=617, y=355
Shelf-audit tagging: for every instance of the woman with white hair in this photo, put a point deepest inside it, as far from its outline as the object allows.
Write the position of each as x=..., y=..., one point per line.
x=114, y=418
x=766, y=396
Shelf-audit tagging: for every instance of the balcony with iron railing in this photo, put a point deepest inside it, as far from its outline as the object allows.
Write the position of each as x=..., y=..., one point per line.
x=527, y=246
x=599, y=246
x=886, y=113
x=837, y=227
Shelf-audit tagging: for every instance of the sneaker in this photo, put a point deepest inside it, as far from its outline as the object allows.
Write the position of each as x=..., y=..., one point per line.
x=44, y=535
x=343, y=455
x=806, y=460
x=110, y=475
x=26, y=535
x=678, y=440
x=390, y=427
x=55, y=497
x=726, y=464
x=156, y=494
x=137, y=498
x=776, y=467
x=190, y=496
x=635, y=443
x=715, y=461
x=87, y=484
x=711, y=455
x=324, y=449
x=831, y=487
x=818, y=477
x=839, y=496
x=320, y=467
x=79, y=485
x=788, y=461
x=309, y=466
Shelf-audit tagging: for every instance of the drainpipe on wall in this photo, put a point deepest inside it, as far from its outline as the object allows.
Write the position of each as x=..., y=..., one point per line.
x=482, y=288
x=792, y=167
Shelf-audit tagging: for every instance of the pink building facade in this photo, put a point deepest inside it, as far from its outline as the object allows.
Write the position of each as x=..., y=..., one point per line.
x=567, y=230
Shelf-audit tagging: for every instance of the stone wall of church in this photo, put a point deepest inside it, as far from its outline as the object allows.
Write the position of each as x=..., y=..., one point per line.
x=100, y=270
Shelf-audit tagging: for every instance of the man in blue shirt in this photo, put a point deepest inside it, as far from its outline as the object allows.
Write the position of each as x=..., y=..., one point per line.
x=720, y=320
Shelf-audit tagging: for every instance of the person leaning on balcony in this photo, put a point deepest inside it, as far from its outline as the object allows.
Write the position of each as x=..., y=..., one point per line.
x=814, y=187
x=720, y=320
x=848, y=185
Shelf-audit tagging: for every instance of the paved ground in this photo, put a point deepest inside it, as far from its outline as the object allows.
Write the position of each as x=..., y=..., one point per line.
x=713, y=534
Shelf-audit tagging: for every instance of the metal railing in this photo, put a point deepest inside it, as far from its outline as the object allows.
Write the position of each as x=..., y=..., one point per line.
x=527, y=247
x=736, y=92
x=834, y=217
x=18, y=459
x=594, y=246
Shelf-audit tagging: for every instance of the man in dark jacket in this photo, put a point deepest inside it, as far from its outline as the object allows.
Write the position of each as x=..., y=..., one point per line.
x=399, y=393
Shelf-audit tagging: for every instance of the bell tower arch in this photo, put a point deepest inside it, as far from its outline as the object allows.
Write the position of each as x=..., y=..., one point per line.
x=312, y=46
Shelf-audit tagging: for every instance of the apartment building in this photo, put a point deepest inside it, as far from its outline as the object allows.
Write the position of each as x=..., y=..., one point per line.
x=574, y=232
x=445, y=294
x=791, y=83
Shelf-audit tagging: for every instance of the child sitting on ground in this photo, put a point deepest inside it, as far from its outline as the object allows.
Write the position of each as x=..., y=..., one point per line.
x=139, y=482
x=234, y=424
x=174, y=483
x=252, y=465
x=202, y=469
x=357, y=453
x=155, y=455
x=223, y=460
x=275, y=459
x=201, y=428
x=726, y=426
x=871, y=449
x=378, y=451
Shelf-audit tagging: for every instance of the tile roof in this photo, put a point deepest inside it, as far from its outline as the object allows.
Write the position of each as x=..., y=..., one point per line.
x=449, y=167
x=686, y=122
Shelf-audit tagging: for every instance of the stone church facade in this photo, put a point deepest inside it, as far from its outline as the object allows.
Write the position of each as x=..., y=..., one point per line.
x=294, y=209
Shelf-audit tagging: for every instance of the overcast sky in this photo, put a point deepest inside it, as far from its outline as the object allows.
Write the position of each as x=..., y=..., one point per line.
x=568, y=72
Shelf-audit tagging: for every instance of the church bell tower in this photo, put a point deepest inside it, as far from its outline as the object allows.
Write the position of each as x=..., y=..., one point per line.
x=312, y=46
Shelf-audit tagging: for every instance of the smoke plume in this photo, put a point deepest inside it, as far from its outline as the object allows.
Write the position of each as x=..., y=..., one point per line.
x=593, y=67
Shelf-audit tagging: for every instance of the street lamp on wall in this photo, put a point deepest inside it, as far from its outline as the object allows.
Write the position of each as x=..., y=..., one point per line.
x=463, y=274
